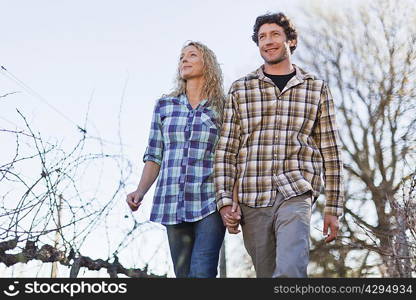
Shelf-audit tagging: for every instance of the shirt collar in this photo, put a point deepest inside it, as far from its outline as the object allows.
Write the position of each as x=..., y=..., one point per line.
x=300, y=75
x=183, y=99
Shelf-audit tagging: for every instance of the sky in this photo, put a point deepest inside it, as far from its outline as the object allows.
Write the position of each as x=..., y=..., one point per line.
x=80, y=56
x=113, y=59
x=72, y=51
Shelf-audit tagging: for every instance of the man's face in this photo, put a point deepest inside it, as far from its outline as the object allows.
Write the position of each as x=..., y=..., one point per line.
x=273, y=44
x=191, y=63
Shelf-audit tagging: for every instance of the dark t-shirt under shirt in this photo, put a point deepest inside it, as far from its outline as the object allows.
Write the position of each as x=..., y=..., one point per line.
x=281, y=80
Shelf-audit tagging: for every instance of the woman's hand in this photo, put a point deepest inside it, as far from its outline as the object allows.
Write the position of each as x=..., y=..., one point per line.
x=231, y=216
x=134, y=199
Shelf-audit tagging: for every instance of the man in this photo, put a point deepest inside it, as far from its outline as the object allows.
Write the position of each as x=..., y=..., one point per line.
x=279, y=135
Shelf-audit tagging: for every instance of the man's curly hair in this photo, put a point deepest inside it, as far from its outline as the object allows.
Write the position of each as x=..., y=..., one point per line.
x=279, y=19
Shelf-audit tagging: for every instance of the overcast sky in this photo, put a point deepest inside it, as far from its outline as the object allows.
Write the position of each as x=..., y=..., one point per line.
x=70, y=51
x=74, y=52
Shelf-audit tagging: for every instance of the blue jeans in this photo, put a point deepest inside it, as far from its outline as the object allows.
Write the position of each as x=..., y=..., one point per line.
x=195, y=246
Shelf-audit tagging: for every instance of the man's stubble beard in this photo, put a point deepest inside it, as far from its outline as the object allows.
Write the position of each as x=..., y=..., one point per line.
x=279, y=59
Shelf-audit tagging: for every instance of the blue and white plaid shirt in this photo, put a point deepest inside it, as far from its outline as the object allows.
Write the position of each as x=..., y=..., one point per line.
x=182, y=140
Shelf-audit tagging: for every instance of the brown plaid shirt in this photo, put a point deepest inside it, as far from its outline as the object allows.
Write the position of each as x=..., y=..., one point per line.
x=279, y=141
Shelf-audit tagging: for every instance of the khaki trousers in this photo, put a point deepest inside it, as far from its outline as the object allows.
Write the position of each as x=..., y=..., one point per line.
x=277, y=237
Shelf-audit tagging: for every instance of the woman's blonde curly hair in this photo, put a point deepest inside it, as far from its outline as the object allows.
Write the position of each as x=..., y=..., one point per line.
x=213, y=85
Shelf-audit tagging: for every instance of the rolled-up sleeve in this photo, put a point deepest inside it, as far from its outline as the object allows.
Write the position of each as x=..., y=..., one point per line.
x=154, y=150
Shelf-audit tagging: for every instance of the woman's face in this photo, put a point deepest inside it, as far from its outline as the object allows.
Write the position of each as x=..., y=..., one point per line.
x=191, y=64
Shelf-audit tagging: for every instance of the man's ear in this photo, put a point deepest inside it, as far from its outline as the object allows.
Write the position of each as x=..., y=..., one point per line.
x=292, y=43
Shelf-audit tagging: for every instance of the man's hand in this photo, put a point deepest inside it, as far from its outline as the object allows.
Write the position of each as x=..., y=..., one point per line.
x=231, y=216
x=134, y=199
x=331, y=222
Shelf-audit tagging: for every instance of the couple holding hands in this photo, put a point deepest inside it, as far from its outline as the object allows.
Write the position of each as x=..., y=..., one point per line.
x=254, y=158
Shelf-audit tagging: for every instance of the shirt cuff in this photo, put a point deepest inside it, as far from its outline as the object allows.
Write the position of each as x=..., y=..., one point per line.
x=152, y=158
x=224, y=199
x=333, y=211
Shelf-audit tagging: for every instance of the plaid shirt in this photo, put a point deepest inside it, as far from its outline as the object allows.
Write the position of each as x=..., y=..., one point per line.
x=279, y=141
x=182, y=140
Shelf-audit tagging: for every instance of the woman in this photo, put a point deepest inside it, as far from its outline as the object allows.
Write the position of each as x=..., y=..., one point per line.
x=183, y=136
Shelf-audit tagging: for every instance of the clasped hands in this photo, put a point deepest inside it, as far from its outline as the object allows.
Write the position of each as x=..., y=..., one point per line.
x=231, y=217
